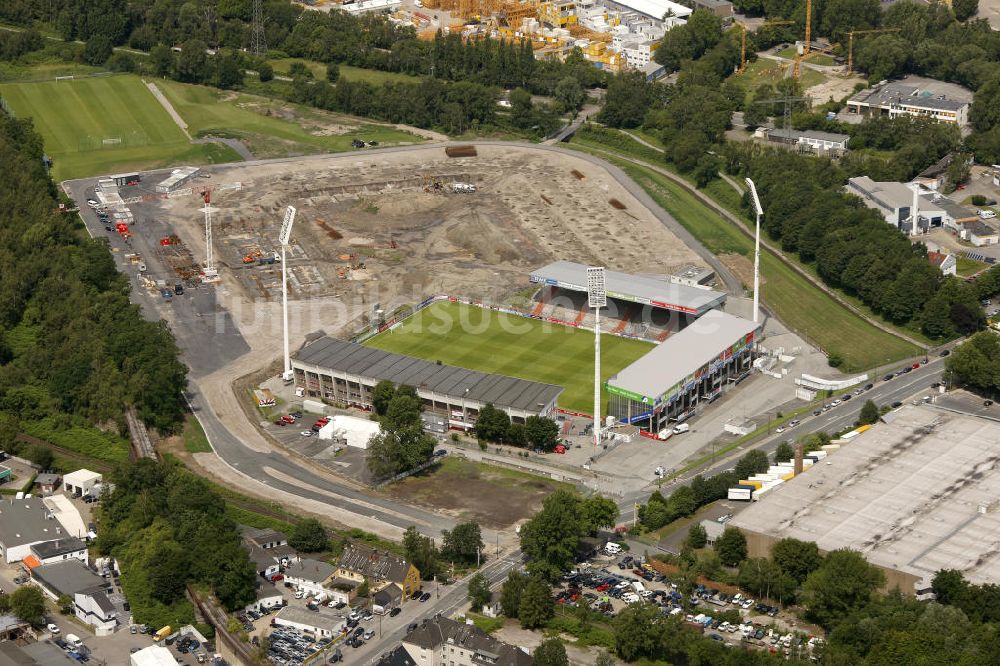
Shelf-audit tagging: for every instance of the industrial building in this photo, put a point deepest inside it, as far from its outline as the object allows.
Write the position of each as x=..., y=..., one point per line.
x=687, y=369
x=178, y=177
x=896, y=202
x=915, y=494
x=346, y=373
x=824, y=143
x=899, y=99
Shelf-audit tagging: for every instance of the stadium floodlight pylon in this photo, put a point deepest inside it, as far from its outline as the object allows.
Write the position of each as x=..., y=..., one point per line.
x=756, y=249
x=210, y=274
x=283, y=238
x=597, y=298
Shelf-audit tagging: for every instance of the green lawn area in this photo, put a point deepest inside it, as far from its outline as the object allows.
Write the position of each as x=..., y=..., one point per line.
x=764, y=70
x=269, y=127
x=88, y=441
x=967, y=267
x=485, y=340
x=347, y=72
x=815, y=57
x=195, y=440
x=76, y=117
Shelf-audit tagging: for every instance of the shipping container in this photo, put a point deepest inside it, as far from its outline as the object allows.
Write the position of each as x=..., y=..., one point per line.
x=740, y=494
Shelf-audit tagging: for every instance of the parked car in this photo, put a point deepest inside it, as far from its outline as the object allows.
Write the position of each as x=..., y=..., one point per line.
x=52, y=629
x=306, y=433
x=395, y=611
x=425, y=597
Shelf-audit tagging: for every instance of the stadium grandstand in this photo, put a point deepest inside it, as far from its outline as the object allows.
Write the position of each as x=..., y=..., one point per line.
x=346, y=373
x=646, y=307
x=688, y=369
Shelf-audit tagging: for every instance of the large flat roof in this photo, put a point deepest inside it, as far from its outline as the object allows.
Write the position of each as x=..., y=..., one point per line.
x=682, y=354
x=916, y=495
x=656, y=8
x=638, y=288
x=375, y=364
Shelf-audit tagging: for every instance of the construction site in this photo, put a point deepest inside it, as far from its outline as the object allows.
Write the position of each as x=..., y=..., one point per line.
x=397, y=226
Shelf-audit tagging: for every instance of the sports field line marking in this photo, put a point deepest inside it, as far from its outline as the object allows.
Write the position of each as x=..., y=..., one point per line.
x=168, y=106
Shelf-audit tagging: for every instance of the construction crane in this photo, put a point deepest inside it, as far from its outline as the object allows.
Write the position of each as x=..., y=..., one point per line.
x=211, y=273
x=743, y=41
x=850, y=43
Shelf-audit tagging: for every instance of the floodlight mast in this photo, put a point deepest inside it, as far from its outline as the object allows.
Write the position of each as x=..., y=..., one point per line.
x=756, y=250
x=597, y=298
x=283, y=238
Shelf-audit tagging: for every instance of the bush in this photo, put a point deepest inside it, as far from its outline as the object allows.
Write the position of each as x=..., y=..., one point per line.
x=978, y=200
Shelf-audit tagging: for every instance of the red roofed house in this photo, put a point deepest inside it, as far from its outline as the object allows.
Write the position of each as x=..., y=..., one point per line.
x=946, y=263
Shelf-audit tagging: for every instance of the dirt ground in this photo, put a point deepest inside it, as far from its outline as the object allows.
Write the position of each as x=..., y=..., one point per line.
x=836, y=87
x=741, y=266
x=387, y=228
x=492, y=496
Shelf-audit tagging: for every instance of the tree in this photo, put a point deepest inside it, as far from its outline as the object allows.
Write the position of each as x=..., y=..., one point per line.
x=364, y=589
x=162, y=59
x=28, y=604
x=170, y=572
x=479, y=592
x=627, y=99
x=10, y=426
x=637, y=631
x=551, y=652
x=796, y=558
x=570, y=94
x=299, y=70
x=869, y=413
x=883, y=57
x=516, y=435
x=40, y=455
x=763, y=578
x=309, y=536
x=783, y=452
x=228, y=73
x=697, y=536
x=492, y=424
x=753, y=462
x=421, y=552
x=511, y=591
x=192, y=65
x=382, y=395
x=65, y=604
x=541, y=432
x=731, y=547
x=965, y=9
x=332, y=72
x=537, y=606
x=949, y=586
x=843, y=584
x=958, y=171
x=551, y=538
x=97, y=50
x=598, y=512
x=463, y=543
x=266, y=73
x=976, y=363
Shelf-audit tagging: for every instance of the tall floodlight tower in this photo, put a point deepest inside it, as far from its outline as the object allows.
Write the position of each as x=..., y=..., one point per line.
x=211, y=274
x=597, y=298
x=756, y=250
x=283, y=237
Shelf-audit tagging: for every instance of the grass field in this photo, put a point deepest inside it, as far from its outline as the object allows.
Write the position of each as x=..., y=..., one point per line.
x=347, y=72
x=764, y=70
x=814, y=57
x=75, y=117
x=484, y=340
x=272, y=128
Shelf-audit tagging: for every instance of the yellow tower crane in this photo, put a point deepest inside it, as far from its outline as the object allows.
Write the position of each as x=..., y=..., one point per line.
x=743, y=41
x=850, y=43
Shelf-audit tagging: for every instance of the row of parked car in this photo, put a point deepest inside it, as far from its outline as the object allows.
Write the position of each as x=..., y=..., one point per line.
x=290, y=647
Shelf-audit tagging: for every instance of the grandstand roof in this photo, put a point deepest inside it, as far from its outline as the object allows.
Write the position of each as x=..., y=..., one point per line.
x=374, y=364
x=682, y=354
x=636, y=288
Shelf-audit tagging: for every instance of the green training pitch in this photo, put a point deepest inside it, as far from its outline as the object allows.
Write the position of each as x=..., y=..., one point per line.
x=100, y=125
x=489, y=341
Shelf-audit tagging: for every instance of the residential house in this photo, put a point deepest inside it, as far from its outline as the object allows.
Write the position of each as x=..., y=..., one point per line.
x=321, y=623
x=386, y=599
x=48, y=552
x=493, y=608
x=444, y=642
x=946, y=263
x=894, y=98
x=309, y=575
x=263, y=538
x=89, y=592
x=267, y=595
x=47, y=483
x=82, y=482
x=359, y=563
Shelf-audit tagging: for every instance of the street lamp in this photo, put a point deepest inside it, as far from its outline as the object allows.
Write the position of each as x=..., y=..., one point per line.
x=756, y=249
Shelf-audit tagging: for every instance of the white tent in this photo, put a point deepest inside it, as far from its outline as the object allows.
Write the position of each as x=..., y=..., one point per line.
x=355, y=431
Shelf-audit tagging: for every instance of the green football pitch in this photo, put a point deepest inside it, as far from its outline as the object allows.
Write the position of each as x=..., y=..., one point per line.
x=489, y=341
x=104, y=124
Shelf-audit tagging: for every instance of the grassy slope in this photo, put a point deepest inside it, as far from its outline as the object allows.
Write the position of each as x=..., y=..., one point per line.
x=347, y=72
x=212, y=111
x=478, y=339
x=73, y=116
x=796, y=302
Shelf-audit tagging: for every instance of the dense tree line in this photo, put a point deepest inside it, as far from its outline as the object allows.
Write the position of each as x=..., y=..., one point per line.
x=71, y=345
x=537, y=432
x=551, y=539
x=168, y=528
x=402, y=443
x=976, y=363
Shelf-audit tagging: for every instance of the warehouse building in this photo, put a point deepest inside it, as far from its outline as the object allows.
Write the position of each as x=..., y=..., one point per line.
x=687, y=369
x=916, y=494
x=346, y=373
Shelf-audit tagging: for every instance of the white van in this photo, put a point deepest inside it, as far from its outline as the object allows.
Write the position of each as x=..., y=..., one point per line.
x=612, y=548
x=987, y=214
x=682, y=428
x=74, y=640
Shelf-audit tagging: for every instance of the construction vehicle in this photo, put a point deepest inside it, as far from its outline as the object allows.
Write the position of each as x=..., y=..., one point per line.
x=850, y=43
